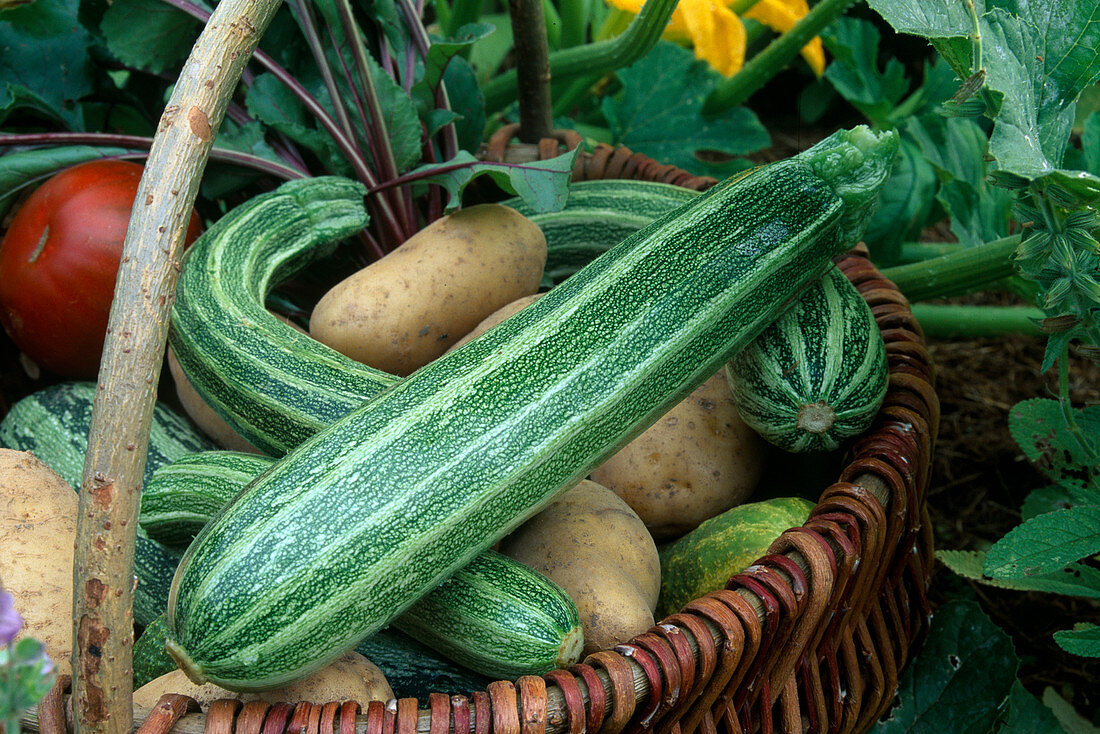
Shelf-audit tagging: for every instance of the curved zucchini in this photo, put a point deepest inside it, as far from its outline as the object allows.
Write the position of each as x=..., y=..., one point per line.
x=818, y=375
x=53, y=423
x=273, y=385
x=362, y=519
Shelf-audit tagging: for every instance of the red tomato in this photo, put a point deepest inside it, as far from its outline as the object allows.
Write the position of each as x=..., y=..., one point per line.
x=59, y=260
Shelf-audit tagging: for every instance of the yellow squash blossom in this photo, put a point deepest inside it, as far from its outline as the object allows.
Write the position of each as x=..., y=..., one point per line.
x=719, y=36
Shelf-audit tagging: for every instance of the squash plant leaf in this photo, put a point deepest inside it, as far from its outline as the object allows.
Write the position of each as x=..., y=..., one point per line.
x=44, y=48
x=1047, y=499
x=1026, y=714
x=148, y=34
x=1090, y=143
x=543, y=185
x=1072, y=722
x=1038, y=426
x=662, y=97
x=957, y=148
x=963, y=674
x=1045, y=543
x=1076, y=579
x=855, y=74
x=1083, y=639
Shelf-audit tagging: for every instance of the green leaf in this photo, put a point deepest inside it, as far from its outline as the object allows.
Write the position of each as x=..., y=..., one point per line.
x=904, y=205
x=467, y=101
x=27, y=168
x=1083, y=639
x=15, y=98
x=957, y=148
x=659, y=112
x=1045, y=543
x=1039, y=427
x=1090, y=142
x=148, y=34
x=544, y=185
x=44, y=50
x=442, y=50
x=1046, y=499
x=489, y=53
x=1026, y=714
x=1071, y=721
x=927, y=18
x=854, y=71
x=273, y=104
x=218, y=180
x=1074, y=580
x=963, y=673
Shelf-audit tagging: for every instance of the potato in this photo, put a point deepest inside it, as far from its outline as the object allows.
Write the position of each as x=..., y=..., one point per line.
x=202, y=415
x=495, y=318
x=594, y=546
x=349, y=678
x=37, y=536
x=404, y=310
x=697, y=461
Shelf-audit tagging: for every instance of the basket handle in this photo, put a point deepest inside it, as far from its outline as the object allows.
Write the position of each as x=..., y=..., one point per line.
x=131, y=363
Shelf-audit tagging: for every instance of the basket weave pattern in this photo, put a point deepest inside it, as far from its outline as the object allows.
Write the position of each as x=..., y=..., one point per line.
x=810, y=638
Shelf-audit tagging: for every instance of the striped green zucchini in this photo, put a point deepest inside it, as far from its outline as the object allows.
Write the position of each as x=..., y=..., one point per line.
x=181, y=497
x=53, y=423
x=415, y=670
x=150, y=658
x=495, y=615
x=818, y=375
x=273, y=385
x=597, y=215
x=362, y=519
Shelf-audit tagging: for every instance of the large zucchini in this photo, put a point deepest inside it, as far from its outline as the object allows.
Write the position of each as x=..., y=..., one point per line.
x=53, y=423
x=362, y=519
x=495, y=616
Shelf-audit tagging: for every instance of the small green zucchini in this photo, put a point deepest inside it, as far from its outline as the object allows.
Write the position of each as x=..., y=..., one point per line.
x=406, y=489
x=53, y=423
x=181, y=497
x=818, y=375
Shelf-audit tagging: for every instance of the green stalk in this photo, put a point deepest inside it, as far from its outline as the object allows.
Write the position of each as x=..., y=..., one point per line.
x=738, y=88
x=740, y=7
x=964, y=271
x=941, y=321
x=574, y=22
x=595, y=58
x=915, y=252
x=1067, y=407
x=461, y=13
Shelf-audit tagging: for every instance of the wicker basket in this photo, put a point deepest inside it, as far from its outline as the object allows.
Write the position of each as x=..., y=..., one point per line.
x=811, y=638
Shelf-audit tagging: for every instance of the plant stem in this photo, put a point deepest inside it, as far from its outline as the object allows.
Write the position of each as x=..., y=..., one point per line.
x=532, y=69
x=912, y=252
x=313, y=40
x=461, y=13
x=946, y=321
x=737, y=89
x=1067, y=407
x=133, y=354
x=222, y=155
x=595, y=58
x=574, y=22
x=963, y=271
